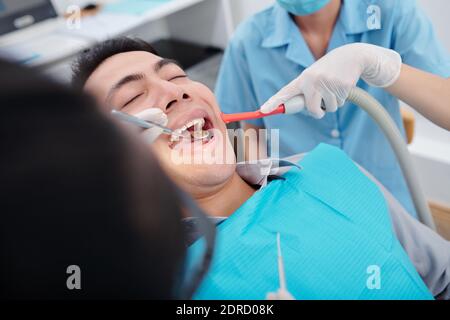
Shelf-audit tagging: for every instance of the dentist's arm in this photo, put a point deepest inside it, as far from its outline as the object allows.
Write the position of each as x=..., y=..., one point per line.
x=332, y=77
x=425, y=92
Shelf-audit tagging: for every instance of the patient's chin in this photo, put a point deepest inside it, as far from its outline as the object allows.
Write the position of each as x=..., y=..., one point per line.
x=207, y=175
x=213, y=152
x=201, y=170
x=197, y=165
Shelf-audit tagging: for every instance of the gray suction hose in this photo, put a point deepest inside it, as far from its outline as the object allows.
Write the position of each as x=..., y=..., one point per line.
x=365, y=101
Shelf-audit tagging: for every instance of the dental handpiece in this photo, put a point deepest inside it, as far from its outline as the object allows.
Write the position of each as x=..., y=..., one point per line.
x=378, y=113
x=294, y=105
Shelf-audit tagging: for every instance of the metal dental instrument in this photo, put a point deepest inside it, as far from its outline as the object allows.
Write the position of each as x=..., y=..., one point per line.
x=282, y=277
x=146, y=124
x=282, y=293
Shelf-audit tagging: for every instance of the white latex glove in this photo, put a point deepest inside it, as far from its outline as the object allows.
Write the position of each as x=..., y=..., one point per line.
x=156, y=115
x=332, y=77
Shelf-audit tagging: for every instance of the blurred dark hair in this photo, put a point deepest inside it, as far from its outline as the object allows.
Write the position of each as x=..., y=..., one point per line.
x=76, y=191
x=90, y=59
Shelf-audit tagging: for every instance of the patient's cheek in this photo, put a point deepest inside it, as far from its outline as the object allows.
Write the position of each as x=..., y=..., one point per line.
x=205, y=93
x=162, y=156
x=157, y=149
x=174, y=171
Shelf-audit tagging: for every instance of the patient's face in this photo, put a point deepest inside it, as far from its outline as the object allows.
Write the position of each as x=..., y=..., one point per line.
x=135, y=81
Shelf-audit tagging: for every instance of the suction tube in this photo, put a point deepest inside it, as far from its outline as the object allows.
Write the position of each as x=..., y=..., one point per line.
x=365, y=101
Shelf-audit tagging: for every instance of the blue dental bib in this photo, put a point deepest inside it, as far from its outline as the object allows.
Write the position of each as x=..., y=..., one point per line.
x=335, y=229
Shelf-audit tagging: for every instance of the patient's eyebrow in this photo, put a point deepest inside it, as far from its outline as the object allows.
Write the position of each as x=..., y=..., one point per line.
x=164, y=62
x=124, y=81
x=139, y=76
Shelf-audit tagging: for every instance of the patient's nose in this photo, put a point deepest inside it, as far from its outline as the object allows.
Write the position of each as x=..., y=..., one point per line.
x=172, y=95
x=185, y=96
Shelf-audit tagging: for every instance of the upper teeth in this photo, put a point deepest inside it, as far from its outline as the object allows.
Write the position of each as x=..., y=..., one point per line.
x=196, y=123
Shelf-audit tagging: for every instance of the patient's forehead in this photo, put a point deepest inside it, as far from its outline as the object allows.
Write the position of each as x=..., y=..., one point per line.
x=116, y=67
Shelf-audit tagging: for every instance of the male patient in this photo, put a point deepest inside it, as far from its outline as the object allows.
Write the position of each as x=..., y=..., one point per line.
x=343, y=236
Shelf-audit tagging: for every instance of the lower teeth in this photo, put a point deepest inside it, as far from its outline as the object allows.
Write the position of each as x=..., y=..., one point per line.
x=200, y=135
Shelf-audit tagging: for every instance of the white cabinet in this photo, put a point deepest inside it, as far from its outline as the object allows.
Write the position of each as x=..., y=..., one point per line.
x=207, y=22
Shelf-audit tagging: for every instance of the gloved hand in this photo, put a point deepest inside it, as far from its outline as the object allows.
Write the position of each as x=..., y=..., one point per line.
x=155, y=115
x=332, y=77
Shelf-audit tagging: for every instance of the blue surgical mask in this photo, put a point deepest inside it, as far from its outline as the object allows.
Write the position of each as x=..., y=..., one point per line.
x=303, y=7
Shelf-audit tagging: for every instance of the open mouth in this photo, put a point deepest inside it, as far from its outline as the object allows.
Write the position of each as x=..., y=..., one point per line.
x=199, y=129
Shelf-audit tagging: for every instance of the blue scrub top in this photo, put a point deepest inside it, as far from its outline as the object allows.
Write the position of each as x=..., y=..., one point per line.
x=268, y=51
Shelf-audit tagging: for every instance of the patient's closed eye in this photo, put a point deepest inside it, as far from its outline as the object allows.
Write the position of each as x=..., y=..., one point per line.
x=132, y=100
x=181, y=76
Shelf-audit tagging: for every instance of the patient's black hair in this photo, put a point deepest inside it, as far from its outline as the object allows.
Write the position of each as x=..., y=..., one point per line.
x=92, y=58
x=75, y=189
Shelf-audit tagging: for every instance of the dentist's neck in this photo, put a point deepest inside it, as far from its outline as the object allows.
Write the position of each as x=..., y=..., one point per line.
x=226, y=199
x=317, y=28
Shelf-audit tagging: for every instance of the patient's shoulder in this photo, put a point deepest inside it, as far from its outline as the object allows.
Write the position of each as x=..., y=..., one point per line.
x=330, y=176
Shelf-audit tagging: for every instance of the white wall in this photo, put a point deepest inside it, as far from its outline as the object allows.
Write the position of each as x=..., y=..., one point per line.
x=438, y=11
x=209, y=22
x=431, y=147
x=244, y=8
